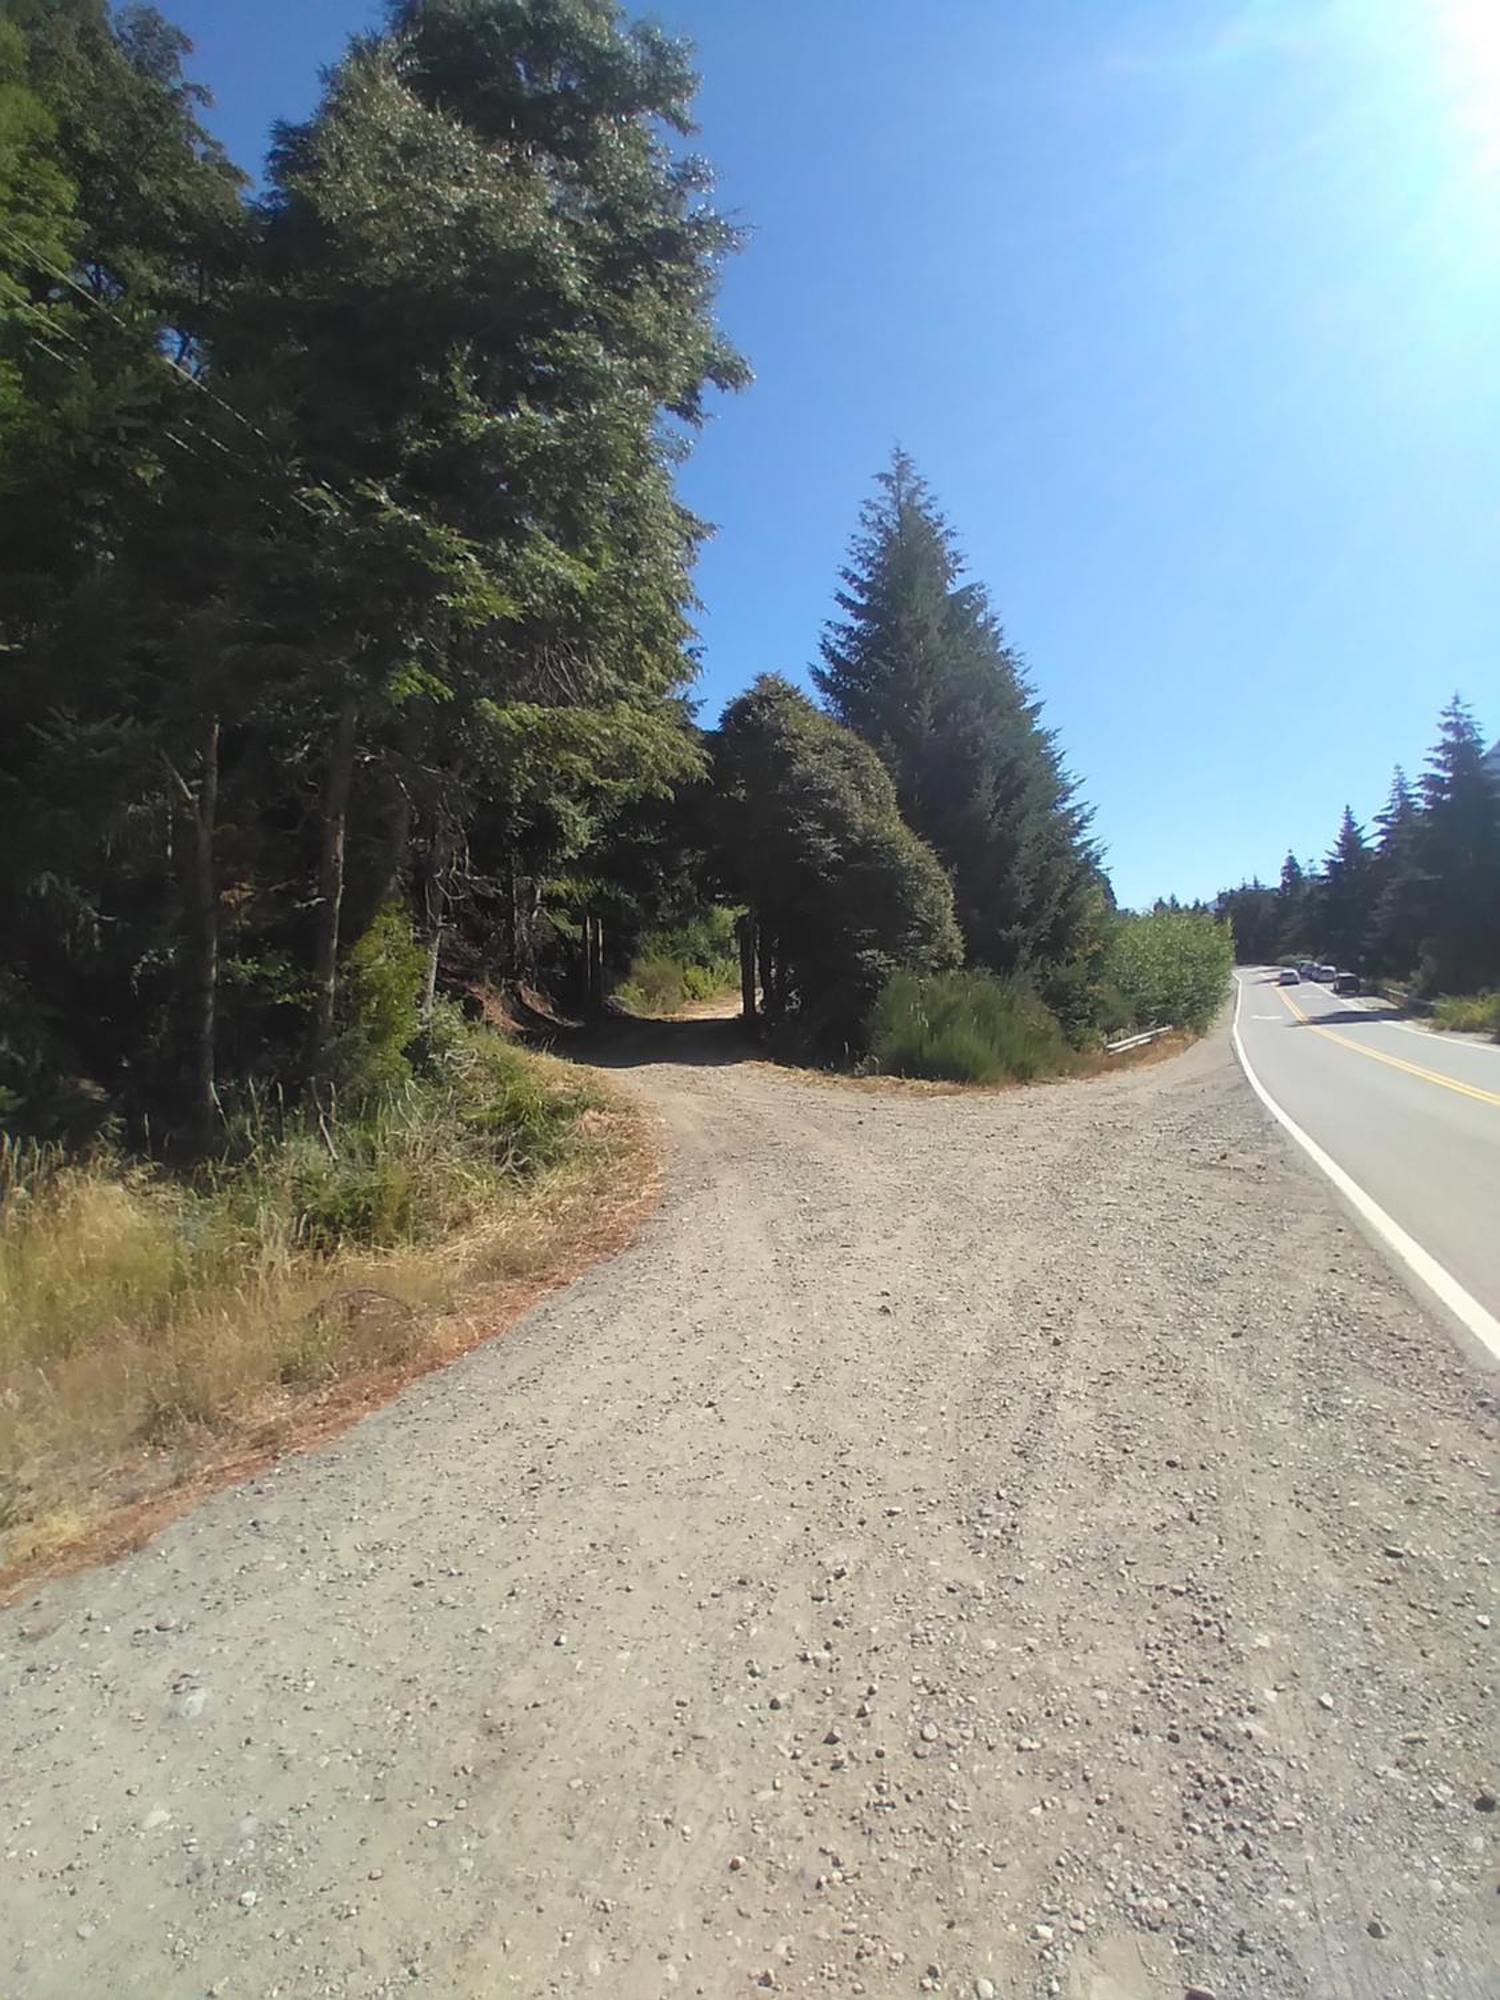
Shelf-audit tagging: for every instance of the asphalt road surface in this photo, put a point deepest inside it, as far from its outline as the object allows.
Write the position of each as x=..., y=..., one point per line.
x=1411, y=1116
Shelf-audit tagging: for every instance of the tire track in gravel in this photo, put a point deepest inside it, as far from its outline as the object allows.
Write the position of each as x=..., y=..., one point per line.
x=917, y=1562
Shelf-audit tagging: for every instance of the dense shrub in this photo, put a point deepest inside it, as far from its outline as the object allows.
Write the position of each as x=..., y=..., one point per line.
x=378, y=1010
x=690, y=961
x=1470, y=1013
x=965, y=1027
x=1169, y=968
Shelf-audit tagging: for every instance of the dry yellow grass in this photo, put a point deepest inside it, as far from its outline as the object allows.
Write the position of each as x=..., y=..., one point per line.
x=139, y=1366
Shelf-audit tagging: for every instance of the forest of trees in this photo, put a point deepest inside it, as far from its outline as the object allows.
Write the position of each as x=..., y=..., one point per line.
x=348, y=597
x=344, y=569
x=1418, y=902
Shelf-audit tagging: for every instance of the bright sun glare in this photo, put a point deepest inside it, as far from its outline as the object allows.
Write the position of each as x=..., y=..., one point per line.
x=1470, y=31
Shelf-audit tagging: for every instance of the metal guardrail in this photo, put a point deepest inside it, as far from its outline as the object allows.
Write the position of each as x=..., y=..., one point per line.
x=1135, y=1041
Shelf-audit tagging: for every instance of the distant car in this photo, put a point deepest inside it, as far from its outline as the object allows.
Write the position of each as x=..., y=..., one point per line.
x=1290, y=976
x=1345, y=982
x=1325, y=974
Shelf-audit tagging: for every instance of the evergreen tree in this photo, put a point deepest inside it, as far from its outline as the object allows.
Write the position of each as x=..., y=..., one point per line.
x=121, y=226
x=918, y=666
x=1296, y=905
x=1347, y=896
x=1402, y=885
x=491, y=599
x=344, y=563
x=1253, y=913
x=1459, y=847
x=841, y=890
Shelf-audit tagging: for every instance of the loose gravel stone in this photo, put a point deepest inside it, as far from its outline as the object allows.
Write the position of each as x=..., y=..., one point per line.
x=713, y=1468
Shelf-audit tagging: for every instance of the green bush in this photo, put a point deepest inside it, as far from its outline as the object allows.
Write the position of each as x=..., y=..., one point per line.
x=963, y=1027
x=1469, y=1013
x=406, y=1167
x=696, y=960
x=379, y=1008
x=1170, y=968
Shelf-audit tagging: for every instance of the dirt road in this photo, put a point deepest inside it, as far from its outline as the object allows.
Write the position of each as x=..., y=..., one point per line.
x=1022, y=1544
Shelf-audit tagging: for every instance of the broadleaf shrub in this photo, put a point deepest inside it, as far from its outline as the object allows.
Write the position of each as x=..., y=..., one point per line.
x=1170, y=968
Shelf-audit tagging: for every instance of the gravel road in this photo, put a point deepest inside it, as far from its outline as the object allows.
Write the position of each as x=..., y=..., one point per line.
x=1020, y=1544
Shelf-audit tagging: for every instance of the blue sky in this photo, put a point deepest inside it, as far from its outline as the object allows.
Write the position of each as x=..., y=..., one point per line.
x=1187, y=310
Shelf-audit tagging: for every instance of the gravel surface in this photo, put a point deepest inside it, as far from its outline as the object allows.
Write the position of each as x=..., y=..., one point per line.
x=997, y=1545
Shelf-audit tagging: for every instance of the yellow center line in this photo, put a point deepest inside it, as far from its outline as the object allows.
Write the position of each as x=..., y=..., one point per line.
x=1392, y=1062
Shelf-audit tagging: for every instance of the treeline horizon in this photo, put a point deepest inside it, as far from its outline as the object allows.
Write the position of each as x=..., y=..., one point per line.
x=1414, y=899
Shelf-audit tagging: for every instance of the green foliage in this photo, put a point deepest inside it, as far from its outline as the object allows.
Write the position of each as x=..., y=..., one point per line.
x=141, y=1245
x=1419, y=906
x=919, y=667
x=406, y=1165
x=344, y=564
x=1348, y=896
x=380, y=1004
x=696, y=959
x=812, y=842
x=1458, y=846
x=1170, y=968
x=1469, y=1013
x=964, y=1027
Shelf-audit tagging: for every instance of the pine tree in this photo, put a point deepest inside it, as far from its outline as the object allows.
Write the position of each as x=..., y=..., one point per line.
x=1295, y=894
x=1459, y=846
x=1347, y=896
x=1402, y=886
x=919, y=667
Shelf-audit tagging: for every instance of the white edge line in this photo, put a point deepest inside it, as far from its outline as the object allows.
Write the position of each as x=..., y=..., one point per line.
x=1423, y=1266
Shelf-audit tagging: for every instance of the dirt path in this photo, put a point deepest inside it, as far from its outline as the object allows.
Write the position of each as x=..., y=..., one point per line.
x=1020, y=1543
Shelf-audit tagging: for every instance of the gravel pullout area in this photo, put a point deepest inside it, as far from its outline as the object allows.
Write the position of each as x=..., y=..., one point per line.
x=1022, y=1544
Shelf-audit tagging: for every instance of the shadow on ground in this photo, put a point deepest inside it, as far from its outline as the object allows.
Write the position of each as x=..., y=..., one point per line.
x=624, y=1042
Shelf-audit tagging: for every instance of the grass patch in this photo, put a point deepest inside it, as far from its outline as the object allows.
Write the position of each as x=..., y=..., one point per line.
x=1468, y=1013
x=963, y=1027
x=693, y=961
x=152, y=1327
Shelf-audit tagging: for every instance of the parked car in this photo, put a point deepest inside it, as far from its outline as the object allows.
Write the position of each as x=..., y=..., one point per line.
x=1346, y=982
x=1290, y=976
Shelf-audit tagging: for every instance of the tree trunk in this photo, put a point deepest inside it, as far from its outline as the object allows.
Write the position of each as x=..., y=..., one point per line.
x=768, y=989
x=745, y=931
x=593, y=941
x=434, y=909
x=204, y=947
x=512, y=921
x=331, y=880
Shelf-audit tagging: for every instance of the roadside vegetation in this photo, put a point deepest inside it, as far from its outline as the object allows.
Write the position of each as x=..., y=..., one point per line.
x=964, y=1027
x=154, y=1325
x=691, y=961
x=1415, y=907
x=1469, y=1013
x=1156, y=969
x=1166, y=968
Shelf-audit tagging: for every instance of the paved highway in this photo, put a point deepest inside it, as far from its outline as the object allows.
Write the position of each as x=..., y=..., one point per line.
x=1411, y=1118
